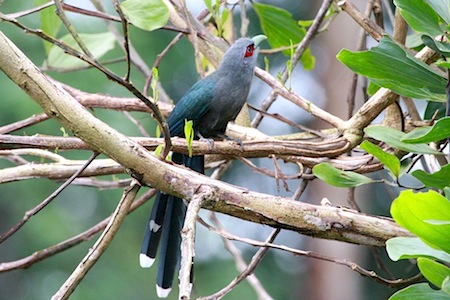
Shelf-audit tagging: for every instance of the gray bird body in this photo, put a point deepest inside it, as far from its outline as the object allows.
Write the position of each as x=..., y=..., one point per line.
x=217, y=99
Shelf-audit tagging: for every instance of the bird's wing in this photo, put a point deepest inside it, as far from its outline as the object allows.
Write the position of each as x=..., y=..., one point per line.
x=192, y=106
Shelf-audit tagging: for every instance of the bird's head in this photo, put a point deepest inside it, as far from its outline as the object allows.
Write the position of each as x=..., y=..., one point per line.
x=242, y=53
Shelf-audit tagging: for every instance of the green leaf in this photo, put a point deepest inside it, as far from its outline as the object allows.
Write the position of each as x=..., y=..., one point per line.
x=419, y=291
x=442, y=8
x=146, y=14
x=391, y=66
x=443, y=64
x=159, y=149
x=439, y=131
x=413, y=247
x=208, y=4
x=433, y=271
x=97, y=43
x=439, y=180
x=411, y=210
x=50, y=22
x=431, y=109
x=154, y=84
x=420, y=16
x=437, y=46
x=189, y=134
x=393, y=138
x=280, y=29
x=332, y=175
x=390, y=161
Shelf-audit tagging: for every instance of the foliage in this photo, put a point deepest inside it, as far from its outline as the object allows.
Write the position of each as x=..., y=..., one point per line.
x=426, y=214
x=389, y=66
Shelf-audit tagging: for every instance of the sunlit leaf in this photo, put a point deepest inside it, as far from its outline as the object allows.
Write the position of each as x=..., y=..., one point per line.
x=433, y=271
x=390, y=161
x=391, y=66
x=413, y=247
x=437, y=180
x=146, y=14
x=189, y=134
x=332, y=175
x=411, y=210
x=419, y=291
x=281, y=29
x=393, y=138
x=426, y=134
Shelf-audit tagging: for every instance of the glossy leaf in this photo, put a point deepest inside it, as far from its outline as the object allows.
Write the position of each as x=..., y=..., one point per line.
x=413, y=247
x=146, y=14
x=97, y=43
x=390, y=161
x=439, y=131
x=433, y=271
x=391, y=66
x=393, y=138
x=438, y=180
x=420, y=16
x=419, y=291
x=281, y=29
x=412, y=210
x=332, y=175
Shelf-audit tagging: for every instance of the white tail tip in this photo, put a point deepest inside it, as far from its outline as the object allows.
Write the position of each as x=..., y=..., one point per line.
x=145, y=261
x=162, y=292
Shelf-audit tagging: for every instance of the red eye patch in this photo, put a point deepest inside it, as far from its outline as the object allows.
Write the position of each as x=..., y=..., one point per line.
x=249, y=51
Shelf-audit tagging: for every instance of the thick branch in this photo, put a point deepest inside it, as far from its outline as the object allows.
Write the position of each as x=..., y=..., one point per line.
x=318, y=221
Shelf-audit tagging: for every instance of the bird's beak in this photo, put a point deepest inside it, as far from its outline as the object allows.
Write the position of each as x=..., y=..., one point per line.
x=258, y=39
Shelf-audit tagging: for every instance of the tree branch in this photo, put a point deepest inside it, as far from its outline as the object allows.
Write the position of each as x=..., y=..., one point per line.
x=324, y=222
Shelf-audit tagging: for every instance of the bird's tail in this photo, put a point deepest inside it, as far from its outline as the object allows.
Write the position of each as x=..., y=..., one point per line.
x=164, y=226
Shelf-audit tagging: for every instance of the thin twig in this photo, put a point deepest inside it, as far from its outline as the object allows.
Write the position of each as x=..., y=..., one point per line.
x=249, y=270
x=241, y=265
x=101, y=245
x=137, y=123
x=126, y=39
x=359, y=47
x=60, y=12
x=72, y=242
x=295, y=58
x=31, y=11
x=109, y=74
x=158, y=60
x=344, y=262
x=34, y=119
x=49, y=199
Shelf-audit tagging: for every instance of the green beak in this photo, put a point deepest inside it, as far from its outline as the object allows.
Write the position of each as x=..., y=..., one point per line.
x=258, y=39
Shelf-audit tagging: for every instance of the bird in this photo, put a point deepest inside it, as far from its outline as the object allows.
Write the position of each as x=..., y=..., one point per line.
x=210, y=104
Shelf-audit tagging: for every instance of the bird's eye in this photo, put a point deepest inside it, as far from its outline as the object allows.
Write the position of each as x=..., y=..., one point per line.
x=249, y=50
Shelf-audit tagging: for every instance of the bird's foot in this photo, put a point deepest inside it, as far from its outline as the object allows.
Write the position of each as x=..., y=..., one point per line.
x=209, y=141
x=229, y=138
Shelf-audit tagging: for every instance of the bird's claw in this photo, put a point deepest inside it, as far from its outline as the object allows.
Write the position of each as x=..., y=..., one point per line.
x=209, y=141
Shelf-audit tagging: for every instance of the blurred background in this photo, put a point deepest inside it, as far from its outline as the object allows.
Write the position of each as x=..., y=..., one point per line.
x=117, y=275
